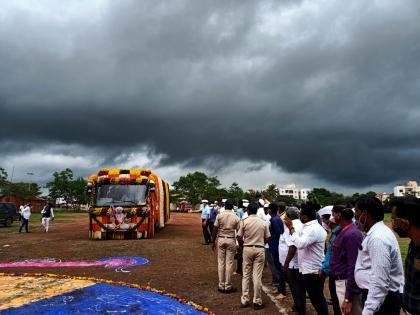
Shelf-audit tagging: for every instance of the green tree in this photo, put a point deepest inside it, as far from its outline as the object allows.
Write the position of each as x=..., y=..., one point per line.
x=23, y=190
x=289, y=200
x=325, y=197
x=3, y=180
x=78, y=191
x=235, y=192
x=61, y=186
x=271, y=192
x=197, y=186
x=252, y=195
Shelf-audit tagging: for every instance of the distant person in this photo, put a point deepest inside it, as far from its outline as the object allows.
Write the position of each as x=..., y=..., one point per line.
x=47, y=215
x=245, y=205
x=205, y=216
x=240, y=211
x=225, y=227
x=312, y=244
x=406, y=223
x=222, y=208
x=20, y=211
x=253, y=234
x=26, y=214
x=212, y=217
x=378, y=271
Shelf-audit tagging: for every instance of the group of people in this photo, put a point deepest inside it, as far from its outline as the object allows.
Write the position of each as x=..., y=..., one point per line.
x=351, y=246
x=25, y=213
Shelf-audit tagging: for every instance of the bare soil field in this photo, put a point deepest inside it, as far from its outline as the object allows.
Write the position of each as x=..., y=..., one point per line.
x=179, y=263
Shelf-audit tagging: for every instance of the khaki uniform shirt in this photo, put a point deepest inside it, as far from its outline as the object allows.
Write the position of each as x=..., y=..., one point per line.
x=227, y=222
x=254, y=230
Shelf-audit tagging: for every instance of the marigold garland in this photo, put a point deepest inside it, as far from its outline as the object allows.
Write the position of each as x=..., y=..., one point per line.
x=127, y=284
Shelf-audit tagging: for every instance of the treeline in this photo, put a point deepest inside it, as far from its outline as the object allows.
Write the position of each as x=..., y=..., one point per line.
x=64, y=185
x=192, y=188
x=196, y=186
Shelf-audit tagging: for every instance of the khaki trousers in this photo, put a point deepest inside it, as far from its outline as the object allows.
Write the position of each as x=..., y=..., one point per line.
x=253, y=264
x=356, y=301
x=226, y=249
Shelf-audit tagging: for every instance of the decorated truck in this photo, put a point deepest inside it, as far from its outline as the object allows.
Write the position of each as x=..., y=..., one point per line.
x=127, y=204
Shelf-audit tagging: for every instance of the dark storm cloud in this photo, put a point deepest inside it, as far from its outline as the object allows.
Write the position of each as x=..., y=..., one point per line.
x=320, y=88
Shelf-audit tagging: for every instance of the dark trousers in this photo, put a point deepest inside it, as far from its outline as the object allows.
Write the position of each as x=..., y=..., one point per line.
x=23, y=223
x=391, y=305
x=239, y=261
x=297, y=286
x=206, y=232
x=314, y=285
x=278, y=272
x=211, y=227
x=334, y=297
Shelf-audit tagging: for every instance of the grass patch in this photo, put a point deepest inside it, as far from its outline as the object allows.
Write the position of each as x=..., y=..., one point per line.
x=35, y=221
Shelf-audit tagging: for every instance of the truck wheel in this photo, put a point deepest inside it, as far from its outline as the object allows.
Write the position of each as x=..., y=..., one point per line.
x=8, y=222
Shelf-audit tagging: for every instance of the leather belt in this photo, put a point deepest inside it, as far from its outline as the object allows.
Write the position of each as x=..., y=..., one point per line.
x=257, y=246
x=226, y=236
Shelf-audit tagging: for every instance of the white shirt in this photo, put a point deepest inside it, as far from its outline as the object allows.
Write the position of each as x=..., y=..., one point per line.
x=222, y=209
x=26, y=212
x=378, y=266
x=245, y=215
x=267, y=218
x=311, y=243
x=261, y=213
x=286, y=241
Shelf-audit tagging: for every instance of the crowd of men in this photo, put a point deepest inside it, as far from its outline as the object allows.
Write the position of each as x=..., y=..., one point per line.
x=350, y=245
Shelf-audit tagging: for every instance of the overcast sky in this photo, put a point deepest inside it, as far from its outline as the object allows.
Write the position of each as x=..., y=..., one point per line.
x=319, y=93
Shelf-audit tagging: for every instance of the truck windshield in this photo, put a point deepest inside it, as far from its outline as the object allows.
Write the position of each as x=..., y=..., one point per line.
x=121, y=195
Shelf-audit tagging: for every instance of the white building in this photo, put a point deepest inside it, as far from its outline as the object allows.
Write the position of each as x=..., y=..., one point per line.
x=292, y=191
x=409, y=189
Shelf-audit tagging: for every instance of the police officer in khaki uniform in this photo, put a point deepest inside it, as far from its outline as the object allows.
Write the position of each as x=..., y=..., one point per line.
x=225, y=227
x=253, y=234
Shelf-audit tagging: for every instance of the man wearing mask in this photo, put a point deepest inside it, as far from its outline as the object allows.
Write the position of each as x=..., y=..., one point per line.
x=311, y=242
x=406, y=223
x=378, y=270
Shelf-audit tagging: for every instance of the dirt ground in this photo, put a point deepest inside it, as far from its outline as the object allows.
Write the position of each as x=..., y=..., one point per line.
x=179, y=263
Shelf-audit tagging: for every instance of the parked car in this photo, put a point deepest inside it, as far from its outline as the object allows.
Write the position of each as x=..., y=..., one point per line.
x=8, y=213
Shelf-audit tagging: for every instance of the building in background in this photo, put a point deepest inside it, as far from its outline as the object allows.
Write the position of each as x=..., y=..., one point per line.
x=292, y=191
x=409, y=189
x=37, y=202
x=384, y=196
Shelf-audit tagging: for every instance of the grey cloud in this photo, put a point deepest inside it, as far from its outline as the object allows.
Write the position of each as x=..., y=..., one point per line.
x=332, y=92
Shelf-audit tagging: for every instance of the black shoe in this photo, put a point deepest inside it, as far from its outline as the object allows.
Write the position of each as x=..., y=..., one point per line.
x=231, y=290
x=258, y=306
x=221, y=290
x=245, y=305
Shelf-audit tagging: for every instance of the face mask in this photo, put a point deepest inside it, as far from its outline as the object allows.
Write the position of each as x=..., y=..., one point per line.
x=400, y=227
x=401, y=232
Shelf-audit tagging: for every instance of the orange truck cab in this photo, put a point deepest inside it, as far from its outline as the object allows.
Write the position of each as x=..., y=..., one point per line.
x=127, y=204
